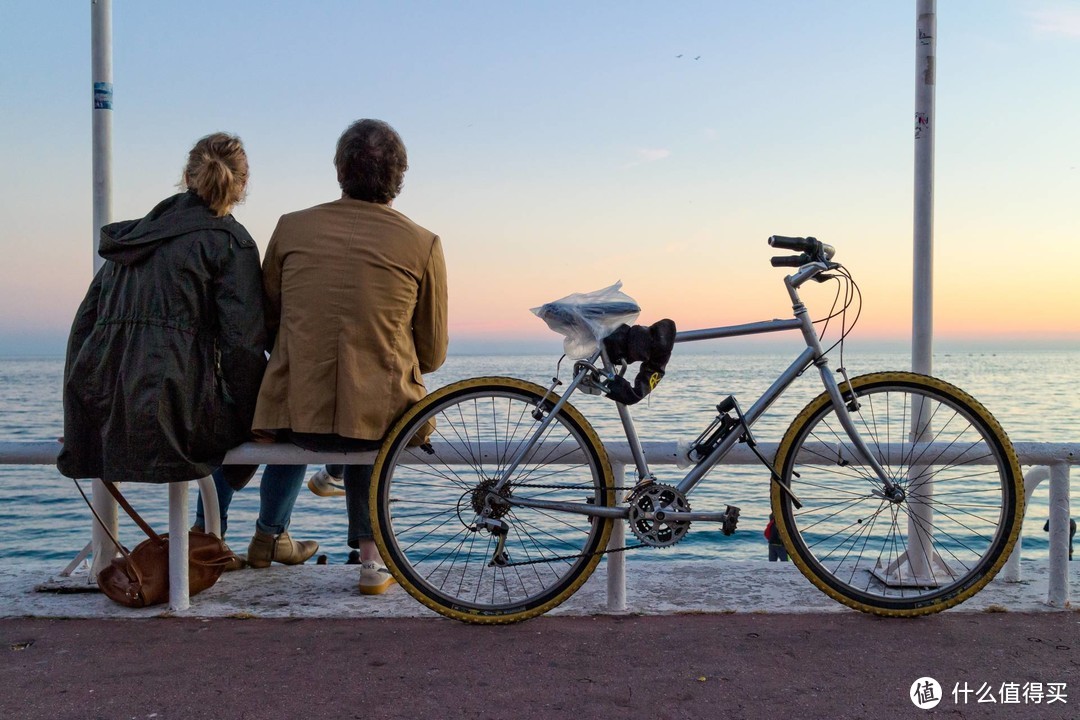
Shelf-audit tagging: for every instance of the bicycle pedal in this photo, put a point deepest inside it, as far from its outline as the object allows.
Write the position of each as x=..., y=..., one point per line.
x=731, y=521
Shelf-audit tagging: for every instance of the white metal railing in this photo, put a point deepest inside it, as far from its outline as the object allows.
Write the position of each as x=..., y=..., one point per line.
x=1047, y=461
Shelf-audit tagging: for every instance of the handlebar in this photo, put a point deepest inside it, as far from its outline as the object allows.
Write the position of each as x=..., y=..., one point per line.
x=812, y=249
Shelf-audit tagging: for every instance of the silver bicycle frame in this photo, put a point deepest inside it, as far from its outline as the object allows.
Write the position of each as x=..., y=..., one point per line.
x=812, y=355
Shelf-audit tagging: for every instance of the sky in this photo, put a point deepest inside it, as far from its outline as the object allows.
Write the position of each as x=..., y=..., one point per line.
x=557, y=147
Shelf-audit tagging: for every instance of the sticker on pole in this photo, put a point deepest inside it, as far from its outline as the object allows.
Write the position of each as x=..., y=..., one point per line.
x=102, y=96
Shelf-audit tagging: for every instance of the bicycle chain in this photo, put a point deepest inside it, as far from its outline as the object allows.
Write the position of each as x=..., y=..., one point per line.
x=572, y=557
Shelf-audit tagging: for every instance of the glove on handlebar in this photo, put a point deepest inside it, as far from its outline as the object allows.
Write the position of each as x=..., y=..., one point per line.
x=651, y=345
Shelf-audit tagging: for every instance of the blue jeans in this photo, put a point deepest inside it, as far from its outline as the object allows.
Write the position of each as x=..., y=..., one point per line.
x=357, y=478
x=357, y=485
x=277, y=495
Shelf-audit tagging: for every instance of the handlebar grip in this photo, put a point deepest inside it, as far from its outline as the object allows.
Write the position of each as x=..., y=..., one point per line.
x=790, y=261
x=812, y=247
x=791, y=243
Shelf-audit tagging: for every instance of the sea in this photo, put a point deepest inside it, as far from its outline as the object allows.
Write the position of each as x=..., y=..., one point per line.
x=1034, y=394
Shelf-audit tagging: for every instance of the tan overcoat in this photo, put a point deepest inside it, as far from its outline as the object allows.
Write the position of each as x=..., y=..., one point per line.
x=356, y=293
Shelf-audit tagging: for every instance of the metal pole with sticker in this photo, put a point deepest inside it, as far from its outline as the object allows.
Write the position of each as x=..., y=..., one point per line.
x=102, y=109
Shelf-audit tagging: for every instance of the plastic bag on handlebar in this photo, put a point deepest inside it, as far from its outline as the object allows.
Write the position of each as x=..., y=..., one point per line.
x=584, y=319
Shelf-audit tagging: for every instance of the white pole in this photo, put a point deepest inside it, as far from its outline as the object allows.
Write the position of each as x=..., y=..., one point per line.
x=101, y=52
x=920, y=540
x=101, y=77
x=616, y=561
x=1058, y=593
x=179, y=588
x=922, y=329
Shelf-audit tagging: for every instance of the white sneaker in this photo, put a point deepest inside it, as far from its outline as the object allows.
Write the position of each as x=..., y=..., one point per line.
x=374, y=580
x=324, y=484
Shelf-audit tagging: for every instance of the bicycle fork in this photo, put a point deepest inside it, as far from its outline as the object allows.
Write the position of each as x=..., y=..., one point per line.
x=890, y=491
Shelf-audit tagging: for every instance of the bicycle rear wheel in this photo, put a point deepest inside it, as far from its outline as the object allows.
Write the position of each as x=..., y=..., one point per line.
x=425, y=505
x=931, y=548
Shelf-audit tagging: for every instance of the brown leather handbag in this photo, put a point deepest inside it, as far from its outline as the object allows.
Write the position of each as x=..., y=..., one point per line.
x=140, y=577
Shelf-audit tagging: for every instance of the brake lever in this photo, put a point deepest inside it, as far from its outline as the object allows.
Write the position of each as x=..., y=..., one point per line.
x=823, y=277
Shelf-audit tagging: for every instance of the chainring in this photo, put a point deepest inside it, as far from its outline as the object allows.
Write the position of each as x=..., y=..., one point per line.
x=653, y=499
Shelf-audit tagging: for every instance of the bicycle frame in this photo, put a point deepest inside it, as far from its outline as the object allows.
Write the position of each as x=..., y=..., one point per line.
x=812, y=355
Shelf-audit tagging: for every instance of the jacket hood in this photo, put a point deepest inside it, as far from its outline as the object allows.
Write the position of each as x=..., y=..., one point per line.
x=131, y=241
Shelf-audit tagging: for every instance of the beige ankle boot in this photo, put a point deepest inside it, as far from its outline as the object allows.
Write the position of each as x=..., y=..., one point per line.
x=266, y=548
x=293, y=552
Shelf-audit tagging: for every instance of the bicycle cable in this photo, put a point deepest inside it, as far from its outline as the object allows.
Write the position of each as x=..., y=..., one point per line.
x=852, y=297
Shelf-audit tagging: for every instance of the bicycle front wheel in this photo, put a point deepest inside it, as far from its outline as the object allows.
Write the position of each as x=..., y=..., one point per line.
x=932, y=545
x=427, y=501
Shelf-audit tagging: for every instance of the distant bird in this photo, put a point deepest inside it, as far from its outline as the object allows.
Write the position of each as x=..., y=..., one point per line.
x=678, y=56
x=698, y=57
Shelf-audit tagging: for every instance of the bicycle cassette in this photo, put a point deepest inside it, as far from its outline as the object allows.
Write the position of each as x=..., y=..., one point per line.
x=654, y=511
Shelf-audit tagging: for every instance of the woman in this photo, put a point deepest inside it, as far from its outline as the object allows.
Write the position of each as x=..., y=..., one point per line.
x=166, y=353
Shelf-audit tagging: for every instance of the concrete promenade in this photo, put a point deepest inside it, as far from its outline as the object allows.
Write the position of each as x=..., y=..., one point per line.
x=725, y=640
x=653, y=588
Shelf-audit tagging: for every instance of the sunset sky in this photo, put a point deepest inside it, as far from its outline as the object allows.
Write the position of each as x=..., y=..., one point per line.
x=557, y=147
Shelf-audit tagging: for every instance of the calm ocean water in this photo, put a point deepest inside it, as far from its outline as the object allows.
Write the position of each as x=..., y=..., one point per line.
x=1033, y=394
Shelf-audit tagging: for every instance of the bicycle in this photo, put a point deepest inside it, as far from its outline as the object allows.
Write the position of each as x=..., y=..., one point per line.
x=894, y=493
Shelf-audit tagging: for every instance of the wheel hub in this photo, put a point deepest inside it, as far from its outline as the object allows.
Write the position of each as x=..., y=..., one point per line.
x=484, y=501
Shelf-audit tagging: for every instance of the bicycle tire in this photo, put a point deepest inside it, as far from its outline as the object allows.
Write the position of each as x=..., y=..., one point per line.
x=857, y=546
x=424, y=509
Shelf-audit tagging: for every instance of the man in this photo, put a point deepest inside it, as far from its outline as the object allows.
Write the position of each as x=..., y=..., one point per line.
x=357, y=300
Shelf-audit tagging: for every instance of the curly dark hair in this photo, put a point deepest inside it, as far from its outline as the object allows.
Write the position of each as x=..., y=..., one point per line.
x=371, y=161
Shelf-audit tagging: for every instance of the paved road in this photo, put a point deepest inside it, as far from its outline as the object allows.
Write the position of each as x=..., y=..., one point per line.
x=741, y=666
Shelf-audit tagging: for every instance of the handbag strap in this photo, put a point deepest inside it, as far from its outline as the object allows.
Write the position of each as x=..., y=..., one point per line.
x=123, y=550
x=131, y=511
x=127, y=508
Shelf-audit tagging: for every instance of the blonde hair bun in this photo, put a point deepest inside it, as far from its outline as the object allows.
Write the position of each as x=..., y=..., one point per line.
x=217, y=171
